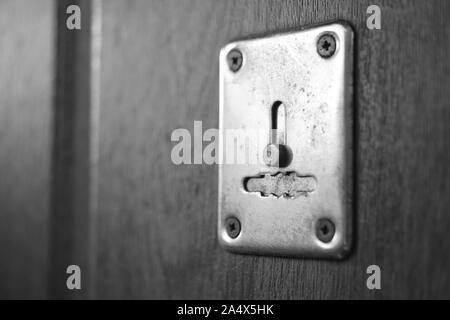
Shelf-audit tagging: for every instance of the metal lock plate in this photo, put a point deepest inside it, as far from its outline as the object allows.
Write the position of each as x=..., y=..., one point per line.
x=285, y=143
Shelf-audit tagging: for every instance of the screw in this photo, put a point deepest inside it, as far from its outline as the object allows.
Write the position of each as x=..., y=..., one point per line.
x=234, y=59
x=233, y=227
x=326, y=45
x=325, y=230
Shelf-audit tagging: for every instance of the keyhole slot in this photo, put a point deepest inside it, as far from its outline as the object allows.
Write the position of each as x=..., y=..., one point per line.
x=278, y=123
x=277, y=153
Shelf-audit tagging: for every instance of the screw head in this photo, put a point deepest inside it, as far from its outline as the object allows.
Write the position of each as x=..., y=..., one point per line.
x=233, y=227
x=326, y=45
x=325, y=230
x=235, y=59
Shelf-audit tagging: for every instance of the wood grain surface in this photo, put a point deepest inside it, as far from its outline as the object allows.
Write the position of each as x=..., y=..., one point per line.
x=103, y=193
x=155, y=227
x=26, y=79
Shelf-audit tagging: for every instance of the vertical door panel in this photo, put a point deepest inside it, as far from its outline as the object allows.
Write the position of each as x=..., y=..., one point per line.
x=26, y=79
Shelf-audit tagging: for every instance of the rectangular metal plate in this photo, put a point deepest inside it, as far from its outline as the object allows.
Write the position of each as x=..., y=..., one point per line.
x=287, y=211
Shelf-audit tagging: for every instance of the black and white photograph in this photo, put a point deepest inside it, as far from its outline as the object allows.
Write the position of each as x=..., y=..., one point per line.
x=225, y=155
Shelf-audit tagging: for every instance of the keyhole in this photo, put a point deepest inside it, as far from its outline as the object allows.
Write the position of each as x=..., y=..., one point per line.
x=278, y=123
x=276, y=153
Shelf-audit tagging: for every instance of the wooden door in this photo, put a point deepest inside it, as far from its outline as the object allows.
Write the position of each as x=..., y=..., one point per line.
x=142, y=227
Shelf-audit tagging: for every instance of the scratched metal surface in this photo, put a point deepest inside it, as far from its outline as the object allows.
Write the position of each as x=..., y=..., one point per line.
x=317, y=97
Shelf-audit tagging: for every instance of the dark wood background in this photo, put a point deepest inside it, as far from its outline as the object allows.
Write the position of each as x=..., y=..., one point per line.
x=26, y=78
x=107, y=196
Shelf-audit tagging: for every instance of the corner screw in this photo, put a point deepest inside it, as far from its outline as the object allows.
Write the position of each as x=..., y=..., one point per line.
x=325, y=230
x=233, y=227
x=234, y=59
x=326, y=45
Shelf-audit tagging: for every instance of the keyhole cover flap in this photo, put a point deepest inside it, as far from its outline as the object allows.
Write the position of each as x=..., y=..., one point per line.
x=281, y=209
